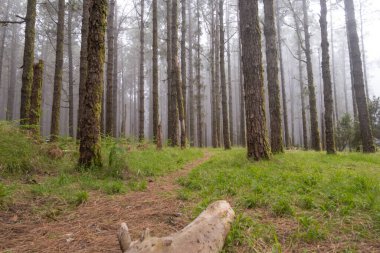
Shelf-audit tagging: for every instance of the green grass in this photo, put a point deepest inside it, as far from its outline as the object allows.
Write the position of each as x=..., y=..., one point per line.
x=28, y=174
x=324, y=197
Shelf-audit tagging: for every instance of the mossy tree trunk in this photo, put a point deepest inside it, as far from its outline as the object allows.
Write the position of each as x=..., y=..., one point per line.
x=56, y=109
x=90, y=152
x=36, y=97
x=257, y=136
x=327, y=84
x=315, y=136
x=358, y=79
x=83, y=61
x=28, y=59
x=272, y=77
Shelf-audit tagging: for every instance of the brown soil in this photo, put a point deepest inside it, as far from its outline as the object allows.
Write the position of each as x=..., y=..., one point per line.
x=92, y=227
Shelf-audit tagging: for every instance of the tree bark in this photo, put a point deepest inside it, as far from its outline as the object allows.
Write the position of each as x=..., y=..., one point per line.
x=257, y=137
x=2, y=42
x=302, y=94
x=155, y=72
x=183, y=58
x=214, y=138
x=28, y=60
x=83, y=62
x=176, y=73
x=226, y=125
x=191, y=77
x=229, y=71
x=358, y=79
x=198, y=77
x=115, y=79
x=56, y=109
x=90, y=151
x=242, y=96
x=12, y=74
x=315, y=137
x=71, y=70
x=272, y=77
x=327, y=84
x=36, y=98
x=141, y=75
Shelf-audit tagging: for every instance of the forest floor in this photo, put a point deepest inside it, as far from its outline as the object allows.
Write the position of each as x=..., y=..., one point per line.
x=297, y=202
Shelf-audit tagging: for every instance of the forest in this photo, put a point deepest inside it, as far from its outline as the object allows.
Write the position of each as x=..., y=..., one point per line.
x=189, y=126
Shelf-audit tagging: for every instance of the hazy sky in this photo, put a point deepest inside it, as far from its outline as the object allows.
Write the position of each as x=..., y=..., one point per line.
x=371, y=13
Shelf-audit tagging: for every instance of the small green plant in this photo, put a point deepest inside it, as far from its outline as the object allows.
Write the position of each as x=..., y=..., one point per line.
x=114, y=187
x=81, y=197
x=282, y=208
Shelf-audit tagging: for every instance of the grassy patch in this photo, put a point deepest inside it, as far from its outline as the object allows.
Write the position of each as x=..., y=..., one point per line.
x=46, y=175
x=324, y=197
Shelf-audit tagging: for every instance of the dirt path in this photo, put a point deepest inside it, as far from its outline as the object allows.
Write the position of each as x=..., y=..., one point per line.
x=93, y=226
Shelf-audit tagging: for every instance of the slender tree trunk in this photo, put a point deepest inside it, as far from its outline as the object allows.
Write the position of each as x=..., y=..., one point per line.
x=90, y=152
x=229, y=70
x=71, y=70
x=191, y=77
x=155, y=72
x=176, y=73
x=28, y=60
x=110, y=68
x=36, y=98
x=226, y=126
x=257, y=136
x=183, y=58
x=56, y=109
x=358, y=79
x=272, y=77
x=198, y=77
x=334, y=83
x=242, y=95
x=83, y=61
x=2, y=42
x=327, y=84
x=12, y=74
x=217, y=78
x=115, y=86
x=214, y=138
x=363, y=49
x=315, y=137
x=302, y=94
x=282, y=71
x=141, y=76
x=345, y=78
x=322, y=117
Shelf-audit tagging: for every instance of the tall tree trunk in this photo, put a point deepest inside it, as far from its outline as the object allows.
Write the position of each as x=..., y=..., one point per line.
x=217, y=78
x=55, y=114
x=110, y=68
x=302, y=94
x=334, y=83
x=141, y=76
x=282, y=71
x=315, y=138
x=198, y=77
x=327, y=85
x=12, y=74
x=358, y=84
x=71, y=69
x=90, y=152
x=83, y=62
x=226, y=126
x=345, y=77
x=191, y=77
x=28, y=60
x=272, y=77
x=115, y=86
x=155, y=72
x=214, y=138
x=2, y=42
x=322, y=114
x=176, y=72
x=229, y=71
x=242, y=96
x=257, y=136
x=183, y=57
x=36, y=98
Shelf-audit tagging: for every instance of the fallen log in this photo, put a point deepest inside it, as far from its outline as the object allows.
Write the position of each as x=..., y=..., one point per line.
x=206, y=234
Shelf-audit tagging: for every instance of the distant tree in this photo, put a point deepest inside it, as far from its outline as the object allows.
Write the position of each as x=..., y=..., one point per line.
x=374, y=112
x=90, y=153
x=358, y=79
x=345, y=132
x=257, y=135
